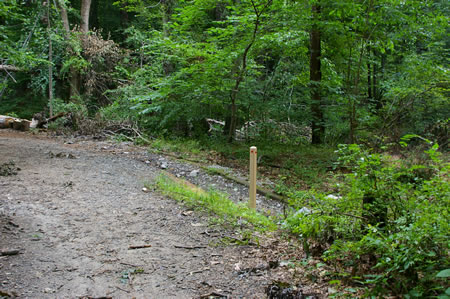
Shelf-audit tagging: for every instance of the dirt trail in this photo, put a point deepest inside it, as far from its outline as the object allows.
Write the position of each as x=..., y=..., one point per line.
x=73, y=213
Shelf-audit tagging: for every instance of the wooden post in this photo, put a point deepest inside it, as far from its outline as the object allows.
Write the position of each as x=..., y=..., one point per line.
x=252, y=188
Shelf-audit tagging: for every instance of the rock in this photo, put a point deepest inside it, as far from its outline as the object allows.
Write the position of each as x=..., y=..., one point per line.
x=331, y=196
x=194, y=173
x=163, y=166
x=331, y=291
x=48, y=291
x=303, y=211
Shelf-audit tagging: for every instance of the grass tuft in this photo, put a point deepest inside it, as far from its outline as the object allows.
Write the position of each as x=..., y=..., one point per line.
x=213, y=202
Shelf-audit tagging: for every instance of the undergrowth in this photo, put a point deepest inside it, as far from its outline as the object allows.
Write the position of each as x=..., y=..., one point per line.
x=387, y=229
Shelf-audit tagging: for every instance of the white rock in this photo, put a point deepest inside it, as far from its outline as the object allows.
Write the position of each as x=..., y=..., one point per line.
x=303, y=211
x=194, y=173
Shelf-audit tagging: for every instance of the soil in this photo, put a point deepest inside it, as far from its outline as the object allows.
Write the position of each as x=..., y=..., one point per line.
x=76, y=207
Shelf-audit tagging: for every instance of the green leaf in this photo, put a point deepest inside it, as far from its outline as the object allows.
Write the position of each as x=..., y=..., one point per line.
x=444, y=274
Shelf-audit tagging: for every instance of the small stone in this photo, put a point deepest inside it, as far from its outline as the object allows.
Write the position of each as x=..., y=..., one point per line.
x=194, y=173
x=48, y=291
x=332, y=196
x=331, y=291
x=163, y=166
x=145, y=190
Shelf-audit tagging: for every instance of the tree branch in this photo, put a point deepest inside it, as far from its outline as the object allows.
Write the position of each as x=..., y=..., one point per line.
x=5, y=67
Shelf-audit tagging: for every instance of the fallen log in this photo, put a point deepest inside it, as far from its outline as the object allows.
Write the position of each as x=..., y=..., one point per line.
x=22, y=125
x=9, y=122
x=6, y=122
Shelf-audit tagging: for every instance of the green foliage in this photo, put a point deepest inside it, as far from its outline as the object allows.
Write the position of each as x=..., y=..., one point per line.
x=77, y=114
x=406, y=245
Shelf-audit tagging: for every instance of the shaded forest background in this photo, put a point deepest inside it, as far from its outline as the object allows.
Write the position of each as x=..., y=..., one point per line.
x=321, y=71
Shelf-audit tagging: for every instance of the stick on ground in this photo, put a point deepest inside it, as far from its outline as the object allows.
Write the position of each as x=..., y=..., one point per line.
x=9, y=252
x=139, y=246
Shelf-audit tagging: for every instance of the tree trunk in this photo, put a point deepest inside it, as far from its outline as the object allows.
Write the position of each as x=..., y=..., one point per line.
x=315, y=75
x=50, y=62
x=74, y=84
x=166, y=11
x=243, y=69
x=65, y=18
x=85, y=9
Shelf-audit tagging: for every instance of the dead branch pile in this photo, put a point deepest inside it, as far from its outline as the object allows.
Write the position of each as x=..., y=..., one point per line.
x=282, y=131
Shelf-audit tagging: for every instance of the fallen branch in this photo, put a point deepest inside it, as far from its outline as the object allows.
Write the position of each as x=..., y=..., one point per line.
x=7, y=295
x=189, y=247
x=9, y=252
x=199, y=271
x=214, y=295
x=5, y=67
x=44, y=121
x=140, y=136
x=139, y=246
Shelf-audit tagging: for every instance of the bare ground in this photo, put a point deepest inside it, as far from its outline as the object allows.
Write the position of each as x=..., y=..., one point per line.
x=74, y=209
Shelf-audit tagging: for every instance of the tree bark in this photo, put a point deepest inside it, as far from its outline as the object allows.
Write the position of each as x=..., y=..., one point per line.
x=65, y=18
x=166, y=11
x=74, y=84
x=315, y=76
x=85, y=9
x=50, y=61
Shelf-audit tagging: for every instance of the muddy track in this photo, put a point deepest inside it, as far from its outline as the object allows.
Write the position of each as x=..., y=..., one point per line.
x=74, y=211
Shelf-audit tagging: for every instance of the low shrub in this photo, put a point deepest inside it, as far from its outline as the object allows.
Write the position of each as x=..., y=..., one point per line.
x=388, y=229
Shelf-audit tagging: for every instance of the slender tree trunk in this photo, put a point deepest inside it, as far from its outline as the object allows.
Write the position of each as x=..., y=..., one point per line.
x=74, y=81
x=370, y=95
x=242, y=70
x=166, y=11
x=85, y=9
x=315, y=75
x=65, y=19
x=50, y=61
x=239, y=78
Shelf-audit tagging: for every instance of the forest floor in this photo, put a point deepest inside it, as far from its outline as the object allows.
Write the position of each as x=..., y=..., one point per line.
x=76, y=207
